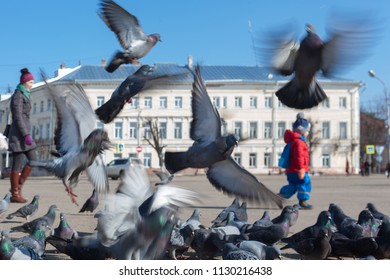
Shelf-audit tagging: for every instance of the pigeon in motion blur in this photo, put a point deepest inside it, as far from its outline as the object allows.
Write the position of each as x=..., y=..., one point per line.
x=79, y=146
x=213, y=151
x=137, y=221
x=4, y=203
x=165, y=178
x=91, y=203
x=26, y=211
x=350, y=40
x=135, y=43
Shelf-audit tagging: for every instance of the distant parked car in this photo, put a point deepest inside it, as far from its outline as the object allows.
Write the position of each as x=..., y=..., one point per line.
x=5, y=172
x=116, y=167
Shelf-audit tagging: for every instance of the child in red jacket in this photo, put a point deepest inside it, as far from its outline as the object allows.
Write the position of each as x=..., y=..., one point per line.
x=297, y=173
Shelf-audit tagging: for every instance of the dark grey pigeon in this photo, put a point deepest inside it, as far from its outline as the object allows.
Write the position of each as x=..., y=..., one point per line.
x=265, y=220
x=353, y=248
x=180, y=240
x=79, y=145
x=204, y=245
x=212, y=150
x=377, y=214
x=4, y=203
x=135, y=43
x=350, y=40
x=194, y=220
x=232, y=252
x=49, y=218
x=362, y=228
x=165, y=178
x=293, y=213
x=317, y=248
x=383, y=241
x=340, y=219
x=64, y=230
x=324, y=221
x=91, y=203
x=261, y=250
x=27, y=210
x=269, y=235
x=222, y=216
x=8, y=251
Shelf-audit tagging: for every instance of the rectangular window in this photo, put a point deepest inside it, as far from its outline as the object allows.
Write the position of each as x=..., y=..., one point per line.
x=99, y=125
x=163, y=102
x=237, y=102
x=325, y=160
x=224, y=102
x=267, y=159
x=178, y=102
x=48, y=108
x=237, y=158
x=223, y=127
x=133, y=130
x=47, y=131
x=280, y=104
x=238, y=129
x=147, y=132
x=148, y=102
x=253, y=130
x=100, y=101
x=134, y=102
x=326, y=103
x=40, y=132
x=147, y=160
x=34, y=108
x=343, y=130
x=162, y=129
x=343, y=102
x=178, y=130
x=281, y=129
x=267, y=130
x=253, y=102
x=118, y=130
x=252, y=160
x=42, y=106
x=325, y=130
x=268, y=102
x=216, y=102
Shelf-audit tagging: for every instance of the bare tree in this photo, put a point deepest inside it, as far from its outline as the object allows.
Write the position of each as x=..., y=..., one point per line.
x=313, y=139
x=155, y=140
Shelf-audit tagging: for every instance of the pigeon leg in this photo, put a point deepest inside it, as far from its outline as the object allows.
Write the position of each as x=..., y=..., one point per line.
x=71, y=194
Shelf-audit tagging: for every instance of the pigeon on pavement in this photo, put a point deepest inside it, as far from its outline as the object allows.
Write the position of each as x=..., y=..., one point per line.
x=180, y=240
x=135, y=43
x=232, y=252
x=8, y=251
x=26, y=211
x=222, y=216
x=261, y=250
x=353, y=248
x=79, y=145
x=194, y=220
x=64, y=230
x=377, y=214
x=91, y=203
x=340, y=219
x=212, y=150
x=4, y=203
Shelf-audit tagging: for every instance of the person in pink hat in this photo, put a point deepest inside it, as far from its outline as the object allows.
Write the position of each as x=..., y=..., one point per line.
x=21, y=142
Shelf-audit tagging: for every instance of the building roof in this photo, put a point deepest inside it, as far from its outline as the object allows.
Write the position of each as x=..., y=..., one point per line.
x=91, y=73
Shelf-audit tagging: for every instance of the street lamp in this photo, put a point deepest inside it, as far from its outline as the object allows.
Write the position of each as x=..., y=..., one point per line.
x=372, y=74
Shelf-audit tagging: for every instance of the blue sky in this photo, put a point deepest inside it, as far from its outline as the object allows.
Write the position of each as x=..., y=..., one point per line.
x=46, y=33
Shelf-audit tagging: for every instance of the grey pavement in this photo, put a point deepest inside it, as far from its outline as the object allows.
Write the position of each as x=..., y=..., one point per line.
x=351, y=193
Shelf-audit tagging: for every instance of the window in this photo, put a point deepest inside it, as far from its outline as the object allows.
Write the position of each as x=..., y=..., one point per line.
x=223, y=127
x=268, y=102
x=48, y=108
x=224, y=102
x=148, y=102
x=325, y=160
x=281, y=129
x=147, y=132
x=343, y=102
x=216, y=102
x=118, y=130
x=42, y=106
x=280, y=104
x=34, y=108
x=252, y=160
x=47, y=131
x=267, y=159
x=237, y=158
x=237, y=102
x=326, y=103
x=133, y=131
x=178, y=130
x=253, y=102
x=238, y=129
x=163, y=102
x=99, y=125
x=267, y=130
x=326, y=130
x=343, y=130
x=178, y=102
x=147, y=159
x=252, y=130
x=162, y=129
x=40, y=132
x=100, y=101
x=134, y=102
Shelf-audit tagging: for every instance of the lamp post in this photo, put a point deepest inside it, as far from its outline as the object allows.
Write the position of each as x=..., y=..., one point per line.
x=372, y=74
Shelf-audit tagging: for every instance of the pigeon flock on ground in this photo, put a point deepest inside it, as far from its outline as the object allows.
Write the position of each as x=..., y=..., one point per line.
x=140, y=221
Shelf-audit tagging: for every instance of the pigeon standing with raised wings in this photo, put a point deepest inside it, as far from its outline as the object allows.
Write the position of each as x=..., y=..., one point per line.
x=134, y=41
x=79, y=145
x=350, y=40
x=213, y=151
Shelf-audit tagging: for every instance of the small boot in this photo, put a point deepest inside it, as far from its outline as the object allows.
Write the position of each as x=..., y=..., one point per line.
x=23, y=177
x=16, y=195
x=304, y=205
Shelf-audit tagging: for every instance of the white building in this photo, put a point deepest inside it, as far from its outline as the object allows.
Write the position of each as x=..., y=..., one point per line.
x=244, y=96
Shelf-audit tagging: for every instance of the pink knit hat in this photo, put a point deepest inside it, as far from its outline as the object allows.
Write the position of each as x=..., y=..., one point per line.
x=26, y=76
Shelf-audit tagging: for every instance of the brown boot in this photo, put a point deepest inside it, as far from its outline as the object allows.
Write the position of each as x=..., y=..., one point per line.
x=16, y=195
x=23, y=177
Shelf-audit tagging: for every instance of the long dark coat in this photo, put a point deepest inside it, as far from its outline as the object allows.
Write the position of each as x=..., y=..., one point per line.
x=21, y=126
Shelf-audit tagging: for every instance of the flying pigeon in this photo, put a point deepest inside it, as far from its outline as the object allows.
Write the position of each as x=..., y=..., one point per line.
x=49, y=218
x=137, y=221
x=213, y=151
x=4, y=203
x=165, y=178
x=350, y=40
x=79, y=145
x=26, y=211
x=91, y=203
x=135, y=43
x=8, y=251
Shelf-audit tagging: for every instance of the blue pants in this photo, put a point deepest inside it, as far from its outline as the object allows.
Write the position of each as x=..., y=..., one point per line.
x=296, y=185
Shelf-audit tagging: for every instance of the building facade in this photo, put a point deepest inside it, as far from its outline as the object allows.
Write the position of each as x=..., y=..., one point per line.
x=245, y=98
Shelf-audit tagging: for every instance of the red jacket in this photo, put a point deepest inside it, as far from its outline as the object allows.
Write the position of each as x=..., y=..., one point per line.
x=299, y=152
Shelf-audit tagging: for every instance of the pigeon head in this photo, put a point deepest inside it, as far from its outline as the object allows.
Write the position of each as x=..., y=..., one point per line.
x=154, y=38
x=310, y=28
x=272, y=253
x=97, y=141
